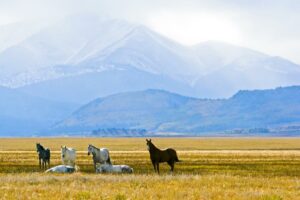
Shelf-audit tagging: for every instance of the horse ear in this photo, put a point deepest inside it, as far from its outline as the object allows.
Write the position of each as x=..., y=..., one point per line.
x=150, y=140
x=146, y=140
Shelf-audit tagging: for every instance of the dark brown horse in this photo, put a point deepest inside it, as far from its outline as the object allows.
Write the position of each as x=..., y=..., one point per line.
x=158, y=156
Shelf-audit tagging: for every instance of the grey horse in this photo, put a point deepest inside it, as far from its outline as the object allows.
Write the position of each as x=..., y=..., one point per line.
x=99, y=155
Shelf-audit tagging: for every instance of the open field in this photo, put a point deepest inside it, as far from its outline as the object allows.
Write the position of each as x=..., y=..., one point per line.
x=212, y=168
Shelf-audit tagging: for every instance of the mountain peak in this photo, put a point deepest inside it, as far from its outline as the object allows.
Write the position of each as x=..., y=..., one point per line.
x=84, y=46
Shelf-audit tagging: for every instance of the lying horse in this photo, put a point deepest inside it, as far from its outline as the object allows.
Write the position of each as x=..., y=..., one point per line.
x=107, y=168
x=158, y=156
x=68, y=156
x=44, y=156
x=62, y=169
x=99, y=155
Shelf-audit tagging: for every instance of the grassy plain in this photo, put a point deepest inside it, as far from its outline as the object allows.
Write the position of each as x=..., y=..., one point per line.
x=212, y=168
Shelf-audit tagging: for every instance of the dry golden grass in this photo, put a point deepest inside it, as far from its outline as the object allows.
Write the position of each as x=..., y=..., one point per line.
x=139, y=144
x=212, y=168
x=87, y=186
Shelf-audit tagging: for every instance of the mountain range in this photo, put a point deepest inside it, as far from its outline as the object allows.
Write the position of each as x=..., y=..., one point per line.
x=83, y=57
x=161, y=111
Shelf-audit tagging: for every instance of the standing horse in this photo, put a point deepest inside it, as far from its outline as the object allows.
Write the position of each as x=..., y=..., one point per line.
x=158, y=156
x=99, y=155
x=44, y=156
x=68, y=156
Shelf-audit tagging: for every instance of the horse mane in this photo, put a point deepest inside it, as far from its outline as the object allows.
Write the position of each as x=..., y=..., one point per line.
x=153, y=146
x=41, y=147
x=94, y=147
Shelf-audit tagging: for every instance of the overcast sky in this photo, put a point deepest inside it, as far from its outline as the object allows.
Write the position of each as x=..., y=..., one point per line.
x=270, y=26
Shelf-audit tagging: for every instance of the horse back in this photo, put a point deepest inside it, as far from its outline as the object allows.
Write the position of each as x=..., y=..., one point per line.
x=172, y=153
x=47, y=153
x=71, y=152
x=163, y=155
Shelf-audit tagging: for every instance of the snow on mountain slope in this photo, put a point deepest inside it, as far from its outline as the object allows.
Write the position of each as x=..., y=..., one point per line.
x=62, y=43
x=147, y=51
x=216, y=55
x=81, y=45
x=250, y=70
x=87, y=86
x=13, y=34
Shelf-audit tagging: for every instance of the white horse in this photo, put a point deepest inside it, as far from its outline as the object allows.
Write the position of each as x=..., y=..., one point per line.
x=99, y=155
x=62, y=169
x=106, y=168
x=68, y=156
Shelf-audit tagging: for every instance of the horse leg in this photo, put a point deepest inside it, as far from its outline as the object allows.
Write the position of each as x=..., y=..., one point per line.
x=49, y=163
x=40, y=163
x=157, y=167
x=154, y=166
x=171, y=163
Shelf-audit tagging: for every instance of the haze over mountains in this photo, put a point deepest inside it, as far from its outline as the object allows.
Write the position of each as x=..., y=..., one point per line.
x=53, y=70
x=84, y=47
x=22, y=114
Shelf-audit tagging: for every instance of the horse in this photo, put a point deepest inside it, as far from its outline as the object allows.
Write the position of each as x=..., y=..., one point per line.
x=62, y=169
x=44, y=156
x=68, y=156
x=159, y=156
x=107, y=168
x=99, y=155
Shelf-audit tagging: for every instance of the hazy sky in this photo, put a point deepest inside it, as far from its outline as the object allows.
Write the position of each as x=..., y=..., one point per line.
x=270, y=26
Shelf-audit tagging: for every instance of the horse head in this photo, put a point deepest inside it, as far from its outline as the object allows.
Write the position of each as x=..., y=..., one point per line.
x=149, y=143
x=90, y=149
x=63, y=151
x=39, y=147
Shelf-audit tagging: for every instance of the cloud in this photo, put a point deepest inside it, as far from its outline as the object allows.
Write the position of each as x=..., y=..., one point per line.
x=271, y=26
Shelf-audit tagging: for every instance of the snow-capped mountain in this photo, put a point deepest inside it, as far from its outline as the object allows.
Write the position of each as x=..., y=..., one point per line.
x=236, y=68
x=60, y=44
x=14, y=33
x=83, y=57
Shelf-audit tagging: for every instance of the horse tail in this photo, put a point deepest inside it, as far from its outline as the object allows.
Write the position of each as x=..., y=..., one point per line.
x=108, y=160
x=176, y=158
x=173, y=155
x=48, y=154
